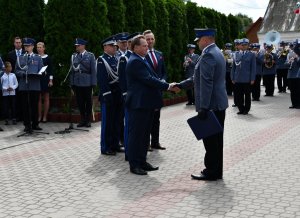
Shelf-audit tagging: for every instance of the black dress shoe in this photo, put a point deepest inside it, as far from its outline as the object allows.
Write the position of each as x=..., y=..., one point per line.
x=245, y=112
x=88, y=124
x=203, y=177
x=27, y=129
x=120, y=150
x=189, y=103
x=240, y=112
x=291, y=107
x=81, y=124
x=138, y=171
x=233, y=105
x=157, y=146
x=149, y=167
x=1, y=129
x=111, y=153
x=36, y=128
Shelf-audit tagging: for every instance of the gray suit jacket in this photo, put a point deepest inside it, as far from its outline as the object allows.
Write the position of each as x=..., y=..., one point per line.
x=209, y=80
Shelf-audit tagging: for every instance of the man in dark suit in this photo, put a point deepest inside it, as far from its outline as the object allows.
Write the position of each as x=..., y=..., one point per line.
x=12, y=58
x=156, y=61
x=143, y=97
x=210, y=94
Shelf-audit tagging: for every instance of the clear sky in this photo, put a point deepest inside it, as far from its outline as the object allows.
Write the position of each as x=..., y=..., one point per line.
x=251, y=8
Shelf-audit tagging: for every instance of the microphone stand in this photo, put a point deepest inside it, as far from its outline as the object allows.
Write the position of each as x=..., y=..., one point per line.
x=30, y=131
x=71, y=126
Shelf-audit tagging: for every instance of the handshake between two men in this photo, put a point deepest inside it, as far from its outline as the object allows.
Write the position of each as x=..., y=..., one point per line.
x=176, y=87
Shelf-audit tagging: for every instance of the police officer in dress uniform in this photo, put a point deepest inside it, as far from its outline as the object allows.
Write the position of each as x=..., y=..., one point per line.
x=123, y=85
x=110, y=97
x=210, y=92
x=156, y=60
x=237, y=47
x=282, y=67
x=28, y=66
x=122, y=43
x=227, y=52
x=269, y=70
x=294, y=74
x=83, y=79
x=243, y=76
x=189, y=63
x=259, y=62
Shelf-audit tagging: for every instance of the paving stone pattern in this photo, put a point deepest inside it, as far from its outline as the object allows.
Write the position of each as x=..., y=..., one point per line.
x=65, y=175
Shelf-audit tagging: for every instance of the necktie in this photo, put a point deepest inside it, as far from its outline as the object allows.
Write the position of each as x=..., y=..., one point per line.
x=153, y=59
x=18, y=53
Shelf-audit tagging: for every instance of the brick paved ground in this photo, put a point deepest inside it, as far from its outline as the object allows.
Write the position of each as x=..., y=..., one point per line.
x=65, y=176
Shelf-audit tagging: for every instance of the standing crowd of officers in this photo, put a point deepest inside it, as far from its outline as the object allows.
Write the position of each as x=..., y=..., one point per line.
x=108, y=72
x=248, y=65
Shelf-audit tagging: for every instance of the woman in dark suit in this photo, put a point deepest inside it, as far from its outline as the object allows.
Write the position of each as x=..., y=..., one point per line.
x=46, y=83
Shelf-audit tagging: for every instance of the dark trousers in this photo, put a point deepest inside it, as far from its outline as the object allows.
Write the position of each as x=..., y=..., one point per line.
x=110, y=123
x=234, y=94
x=229, y=84
x=294, y=84
x=84, y=102
x=139, y=127
x=256, y=88
x=213, y=159
x=243, y=96
x=155, y=127
x=30, y=101
x=282, y=79
x=269, y=84
x=190, y=96
x=19, y=106
x=9, y=106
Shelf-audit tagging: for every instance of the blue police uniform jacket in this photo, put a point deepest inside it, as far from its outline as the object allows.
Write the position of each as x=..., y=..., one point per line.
x=209, y=80
x=259, y=63
x=29, y=65
x=121, y=71
x=143, y=85
x=272, y=70
x=161, y=68
x=107, y=76
x=244, y=67
x=282, y=60
x=293, y=71
x=83, y=70
x=189, y=69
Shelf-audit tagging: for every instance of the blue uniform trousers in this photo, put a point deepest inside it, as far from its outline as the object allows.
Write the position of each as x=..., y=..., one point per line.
x=243, y=96
x=110, y=122
x=256, y=88
x=294, y=84
x=213, y=159
x=140, y=122
x=269, y=84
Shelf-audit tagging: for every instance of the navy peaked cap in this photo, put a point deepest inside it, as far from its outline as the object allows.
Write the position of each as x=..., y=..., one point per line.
x=204, y=32
x=79, y=41
x=109, y=41
x=28, y=41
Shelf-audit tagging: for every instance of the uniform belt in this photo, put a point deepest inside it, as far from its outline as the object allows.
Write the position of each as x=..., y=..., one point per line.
x=86, y=72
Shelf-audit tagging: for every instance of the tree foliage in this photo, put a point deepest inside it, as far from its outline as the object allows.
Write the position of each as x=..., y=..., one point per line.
x=116, y=15
x=134, y=16
x=83, y=19
x=58, y=23
x=20, y=18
